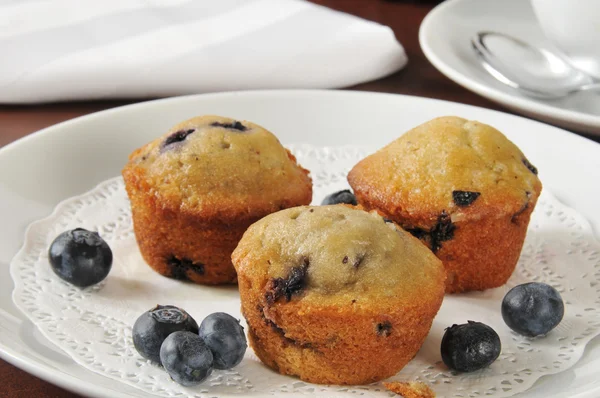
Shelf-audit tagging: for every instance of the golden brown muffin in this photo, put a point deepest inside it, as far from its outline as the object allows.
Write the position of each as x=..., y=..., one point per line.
x=336, y=295
x=411, y=389
x=195, y=190
x=461, y=187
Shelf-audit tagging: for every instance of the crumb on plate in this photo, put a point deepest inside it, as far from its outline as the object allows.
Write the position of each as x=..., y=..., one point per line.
x=411, y=389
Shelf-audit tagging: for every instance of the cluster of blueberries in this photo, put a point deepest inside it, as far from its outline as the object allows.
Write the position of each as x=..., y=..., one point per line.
x=169, y=336
x=531, y=309
x=166, y=335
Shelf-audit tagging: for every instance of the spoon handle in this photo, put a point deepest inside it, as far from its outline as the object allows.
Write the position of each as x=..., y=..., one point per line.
x=506, y=73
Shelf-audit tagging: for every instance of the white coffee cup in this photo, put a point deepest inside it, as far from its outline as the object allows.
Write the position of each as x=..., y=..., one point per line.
x=573, y=26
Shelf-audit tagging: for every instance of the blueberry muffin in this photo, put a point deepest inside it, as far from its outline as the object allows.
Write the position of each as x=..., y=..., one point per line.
x=336, y=295
x=195, y=190
x=462, y=188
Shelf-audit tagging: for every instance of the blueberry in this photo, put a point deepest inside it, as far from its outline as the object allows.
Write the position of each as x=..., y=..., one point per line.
x=231, y=126
x=532, y=309
x=180, y=267
x=470, y=346
x=80, y=257
x=384, y=328
x=186, y=358
x=442, y=231
x=287, y=287
x=153, y=327
x=418, y=233
x=178, y=136
x=225, y=337
x=345, y=196
x=531, y=167
x=464, y=198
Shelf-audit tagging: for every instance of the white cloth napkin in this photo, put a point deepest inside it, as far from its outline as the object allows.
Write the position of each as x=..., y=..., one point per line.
x=56, y=50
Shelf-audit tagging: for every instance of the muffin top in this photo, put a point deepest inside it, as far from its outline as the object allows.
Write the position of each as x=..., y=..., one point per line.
x=466, y=169
x=219, y=167
x=337, y=255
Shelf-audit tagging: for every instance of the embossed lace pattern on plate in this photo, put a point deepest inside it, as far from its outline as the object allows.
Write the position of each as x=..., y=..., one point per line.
x=93, y=325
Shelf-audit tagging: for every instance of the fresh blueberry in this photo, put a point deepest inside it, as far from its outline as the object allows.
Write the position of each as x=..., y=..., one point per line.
x=186, y=358
x=80, y=257
x=153, y=327
x=470, y=346
x=532, y=309
x=345, y=196
x=225, y=337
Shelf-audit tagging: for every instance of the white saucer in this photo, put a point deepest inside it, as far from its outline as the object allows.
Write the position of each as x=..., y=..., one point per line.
x=445, y=39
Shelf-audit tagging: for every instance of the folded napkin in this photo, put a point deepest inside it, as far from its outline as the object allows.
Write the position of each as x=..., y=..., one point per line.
x=56, y=50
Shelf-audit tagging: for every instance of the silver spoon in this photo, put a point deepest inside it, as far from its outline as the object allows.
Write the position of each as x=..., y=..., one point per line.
x=533, y=71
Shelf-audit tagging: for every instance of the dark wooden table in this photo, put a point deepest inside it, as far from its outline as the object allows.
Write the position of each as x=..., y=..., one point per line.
x=419, y=78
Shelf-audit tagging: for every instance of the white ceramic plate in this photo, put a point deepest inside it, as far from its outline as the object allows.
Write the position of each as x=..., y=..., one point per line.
x=445, y=39
x=72, y=157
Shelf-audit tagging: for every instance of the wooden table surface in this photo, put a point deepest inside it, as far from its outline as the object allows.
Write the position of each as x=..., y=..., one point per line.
x=418, y=78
